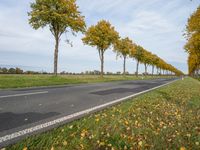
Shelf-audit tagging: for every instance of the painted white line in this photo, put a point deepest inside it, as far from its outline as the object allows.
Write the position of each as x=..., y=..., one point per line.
x=66, y=118
x=24, y=94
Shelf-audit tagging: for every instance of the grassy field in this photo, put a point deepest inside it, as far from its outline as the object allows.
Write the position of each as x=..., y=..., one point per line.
x=167, y=118
x=17, y=81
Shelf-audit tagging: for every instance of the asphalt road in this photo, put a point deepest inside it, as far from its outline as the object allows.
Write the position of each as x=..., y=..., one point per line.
x=22, y=109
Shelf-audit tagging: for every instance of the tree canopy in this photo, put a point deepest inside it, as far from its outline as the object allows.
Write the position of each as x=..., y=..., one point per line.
x=123, y=46
x=60, y=16
x=193, y=42
x=102, y=35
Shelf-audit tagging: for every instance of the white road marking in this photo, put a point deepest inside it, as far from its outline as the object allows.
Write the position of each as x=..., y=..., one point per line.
x=24, y=94
x=63, y=119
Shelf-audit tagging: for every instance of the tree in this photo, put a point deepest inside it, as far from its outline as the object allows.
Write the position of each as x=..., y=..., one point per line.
x=102, y=36
x=12, y=71
x=19, y=71
x=60, y=16
x=154, y=62
x=147, y=60
x=137, y=53
x=193, y=44
x=4, y=70
x=122, y=47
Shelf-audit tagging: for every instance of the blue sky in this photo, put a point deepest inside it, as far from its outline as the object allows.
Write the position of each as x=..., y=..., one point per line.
x=157, y=25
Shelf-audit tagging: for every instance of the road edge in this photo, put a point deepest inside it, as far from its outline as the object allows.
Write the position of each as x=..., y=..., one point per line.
x=71, y=117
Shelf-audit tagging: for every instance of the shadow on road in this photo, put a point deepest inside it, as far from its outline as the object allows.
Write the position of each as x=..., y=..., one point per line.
x=10, y=120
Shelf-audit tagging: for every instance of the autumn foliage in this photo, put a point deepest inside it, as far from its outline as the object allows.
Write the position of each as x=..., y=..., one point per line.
x=62, y=16
x=193, y=42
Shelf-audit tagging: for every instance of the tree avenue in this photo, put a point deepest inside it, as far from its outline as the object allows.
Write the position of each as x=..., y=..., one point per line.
x=193, y=43
x=60, y=16
x=122, y=47
x=102, y=36
x=147, y=58
x=63, y=15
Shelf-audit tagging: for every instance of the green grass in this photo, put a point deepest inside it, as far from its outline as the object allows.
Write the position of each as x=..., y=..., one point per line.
x=18, y=81
x=167, y=118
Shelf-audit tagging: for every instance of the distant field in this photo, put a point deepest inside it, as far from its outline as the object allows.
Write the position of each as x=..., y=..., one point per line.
x=17, y=81
x=167, y=118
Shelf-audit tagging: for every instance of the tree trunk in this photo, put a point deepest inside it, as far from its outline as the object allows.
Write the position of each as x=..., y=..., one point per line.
x=101, y=56
x=137, y=67
x=152, y=70
x=145, y=65
x=124, y=67
x=56, y=56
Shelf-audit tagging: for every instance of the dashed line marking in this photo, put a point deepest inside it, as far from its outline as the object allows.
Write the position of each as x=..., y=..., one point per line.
x=24, y=94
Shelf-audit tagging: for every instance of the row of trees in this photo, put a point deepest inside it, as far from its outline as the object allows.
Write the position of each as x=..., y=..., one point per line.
x=63, y=15
x=11, y=71
x=193, y=43
x=103, y=36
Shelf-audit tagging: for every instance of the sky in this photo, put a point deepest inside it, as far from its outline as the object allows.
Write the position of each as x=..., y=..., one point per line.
x=157, y=25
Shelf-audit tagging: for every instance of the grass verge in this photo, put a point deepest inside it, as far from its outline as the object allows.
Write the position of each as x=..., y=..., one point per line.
x=19, y=81
x=167, y=118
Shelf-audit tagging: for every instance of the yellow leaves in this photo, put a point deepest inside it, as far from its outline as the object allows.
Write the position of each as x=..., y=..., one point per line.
x=72, y=135
x=101, y=143
x=161, y=123
x=164, y=127
x=182, y=148
x=105, y=115
x=91, y=136
x=52, y=148
x=126, y=122
x=41, y=16
x=71, y=126
x=188, y=135
x=84, y=133
x=136, y=122
x=102, y=35
x=108, y=135
x=97, y=119
x=140, y=143
x=197, y=143
x=125, y=147
x=123, y=46
x=81, y=145
x=148, y=120
x=98, y=141
x=65, y=143
x=128, y=128
x=25, y=148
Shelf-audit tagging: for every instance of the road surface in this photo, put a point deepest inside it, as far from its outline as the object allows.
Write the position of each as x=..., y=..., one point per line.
x=28, y=111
